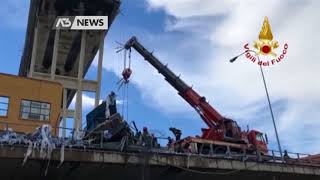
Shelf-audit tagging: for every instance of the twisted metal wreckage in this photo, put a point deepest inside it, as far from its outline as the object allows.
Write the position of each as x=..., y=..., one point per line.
x=112, y=134
x=41, y=140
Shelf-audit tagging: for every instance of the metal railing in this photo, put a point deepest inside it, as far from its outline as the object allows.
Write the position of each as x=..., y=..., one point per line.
x=272, y=157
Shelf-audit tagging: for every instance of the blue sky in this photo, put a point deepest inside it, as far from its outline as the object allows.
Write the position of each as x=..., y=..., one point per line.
x=197, y=43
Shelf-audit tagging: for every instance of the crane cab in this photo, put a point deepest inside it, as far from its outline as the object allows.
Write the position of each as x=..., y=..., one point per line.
x=258, y=141
x=231, y=129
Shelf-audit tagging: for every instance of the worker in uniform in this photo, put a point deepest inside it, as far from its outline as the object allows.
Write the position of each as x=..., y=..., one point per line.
x=286, y=156
x=155, y=141
x=170, y=141
x=111, y=104
x=145, y=138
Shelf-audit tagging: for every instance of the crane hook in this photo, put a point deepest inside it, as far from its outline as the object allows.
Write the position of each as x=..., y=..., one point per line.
x=126, y=73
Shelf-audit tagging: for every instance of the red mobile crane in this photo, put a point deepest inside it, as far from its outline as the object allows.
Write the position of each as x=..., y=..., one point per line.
x=222, y=133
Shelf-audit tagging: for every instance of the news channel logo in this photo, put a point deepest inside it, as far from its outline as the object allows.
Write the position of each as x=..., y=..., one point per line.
x=81, y=23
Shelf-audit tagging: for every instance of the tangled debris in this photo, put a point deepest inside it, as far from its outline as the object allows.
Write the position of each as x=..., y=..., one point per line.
x=41, y=140
x=10, y=138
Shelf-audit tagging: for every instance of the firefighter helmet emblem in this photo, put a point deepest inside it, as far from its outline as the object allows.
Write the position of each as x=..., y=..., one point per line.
x=266, y=44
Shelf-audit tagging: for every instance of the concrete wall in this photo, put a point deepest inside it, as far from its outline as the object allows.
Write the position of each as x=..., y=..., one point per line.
x=86, y=164
x=18, y=88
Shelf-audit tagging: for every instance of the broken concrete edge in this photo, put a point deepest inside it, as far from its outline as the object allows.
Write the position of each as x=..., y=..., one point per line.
x=157, y=159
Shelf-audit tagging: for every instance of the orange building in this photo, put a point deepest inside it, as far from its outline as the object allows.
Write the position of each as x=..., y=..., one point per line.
x=26, y=104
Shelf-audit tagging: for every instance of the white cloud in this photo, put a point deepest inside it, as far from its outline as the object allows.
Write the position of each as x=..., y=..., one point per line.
x=88, y=102
x=213, y=32
x=229, y=26
x=190, y=8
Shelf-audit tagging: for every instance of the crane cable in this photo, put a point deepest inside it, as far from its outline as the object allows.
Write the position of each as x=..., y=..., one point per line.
x=127, y=85
x=121, y=80
x=127, y=101
x=126, y=73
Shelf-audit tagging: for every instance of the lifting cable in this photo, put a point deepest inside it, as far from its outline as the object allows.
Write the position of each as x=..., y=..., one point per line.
x=127, y=101
x=124, y=81
x=123, y=99
x=127, y=85
x=120, y=82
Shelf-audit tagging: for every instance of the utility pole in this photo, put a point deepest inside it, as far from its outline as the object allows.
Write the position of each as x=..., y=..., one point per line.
x=268, y=98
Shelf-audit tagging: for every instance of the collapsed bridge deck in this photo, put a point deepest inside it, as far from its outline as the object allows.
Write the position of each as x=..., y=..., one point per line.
x=42, y=15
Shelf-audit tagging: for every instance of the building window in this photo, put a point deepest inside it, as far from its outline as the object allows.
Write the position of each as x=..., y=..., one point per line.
x=4, y=105
x=34, y=110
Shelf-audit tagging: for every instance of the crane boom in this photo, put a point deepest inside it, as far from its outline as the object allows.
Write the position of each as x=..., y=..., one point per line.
x=220, y=129
x=210, y=116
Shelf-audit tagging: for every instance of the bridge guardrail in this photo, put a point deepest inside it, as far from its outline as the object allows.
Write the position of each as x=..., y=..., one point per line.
x=274, y=156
